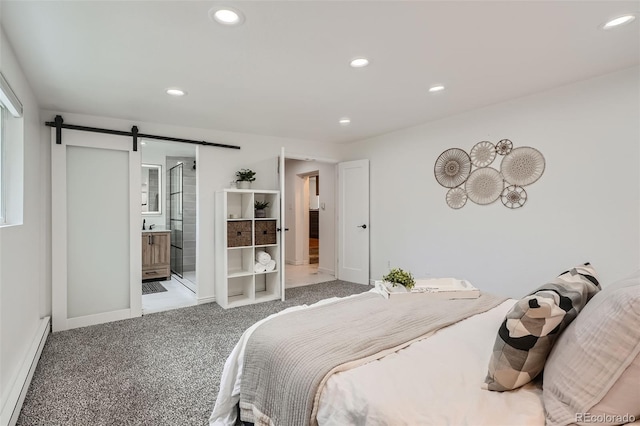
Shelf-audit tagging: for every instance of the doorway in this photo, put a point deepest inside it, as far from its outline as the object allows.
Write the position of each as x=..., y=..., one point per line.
x=310, y=218
x=177, y=215
x=314, y=219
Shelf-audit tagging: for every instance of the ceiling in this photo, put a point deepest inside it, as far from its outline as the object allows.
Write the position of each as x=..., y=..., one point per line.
x=285, y=72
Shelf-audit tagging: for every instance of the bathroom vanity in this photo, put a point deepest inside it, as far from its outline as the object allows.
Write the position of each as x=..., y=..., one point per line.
x=156, y=255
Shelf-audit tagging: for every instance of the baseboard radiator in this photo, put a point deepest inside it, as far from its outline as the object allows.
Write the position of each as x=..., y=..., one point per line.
x=11, y=410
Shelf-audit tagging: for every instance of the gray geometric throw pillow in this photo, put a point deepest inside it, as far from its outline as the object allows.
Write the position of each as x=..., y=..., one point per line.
x=533, y=324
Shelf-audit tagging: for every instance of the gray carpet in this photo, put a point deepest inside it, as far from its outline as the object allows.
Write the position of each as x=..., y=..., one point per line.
x=152, y=287
x=161, y=369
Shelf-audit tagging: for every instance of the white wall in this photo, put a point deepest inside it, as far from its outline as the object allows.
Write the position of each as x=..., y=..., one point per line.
x=24, y=266
x=294, y=249
x=216, y=168
x=584, y=208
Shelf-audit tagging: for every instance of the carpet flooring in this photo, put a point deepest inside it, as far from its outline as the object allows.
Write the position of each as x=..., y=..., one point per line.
x=152, y=287
x=161, y=369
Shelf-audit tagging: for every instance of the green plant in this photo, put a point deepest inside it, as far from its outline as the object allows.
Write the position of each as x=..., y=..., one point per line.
x=245, y=175
x=260, y=205
x=398, y=276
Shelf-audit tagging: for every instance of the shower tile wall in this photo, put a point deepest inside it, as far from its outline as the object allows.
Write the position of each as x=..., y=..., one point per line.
x=189, y=209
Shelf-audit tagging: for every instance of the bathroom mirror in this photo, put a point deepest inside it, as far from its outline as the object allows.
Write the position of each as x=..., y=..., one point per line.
x=151, y=189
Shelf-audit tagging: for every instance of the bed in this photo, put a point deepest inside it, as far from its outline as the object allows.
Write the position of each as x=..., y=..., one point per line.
x=434, y=379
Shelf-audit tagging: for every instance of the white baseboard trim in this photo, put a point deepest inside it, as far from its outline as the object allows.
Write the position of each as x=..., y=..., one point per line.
x=11, y=410
x=203, y=300
x=327, y=271
x=101, y=318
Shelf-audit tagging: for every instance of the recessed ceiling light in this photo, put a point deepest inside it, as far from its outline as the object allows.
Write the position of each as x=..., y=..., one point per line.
x=226, y=16
x=143, y=143
x=616, y=22
x=437, y=88
x=359, y=62
x=345, y=121
x=173, y=91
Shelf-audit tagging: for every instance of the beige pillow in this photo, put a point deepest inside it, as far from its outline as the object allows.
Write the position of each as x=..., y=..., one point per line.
x=593, y=372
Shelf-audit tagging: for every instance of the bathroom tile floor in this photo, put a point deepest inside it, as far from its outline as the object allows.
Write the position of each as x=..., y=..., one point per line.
x=188, y=280
x=176, y=296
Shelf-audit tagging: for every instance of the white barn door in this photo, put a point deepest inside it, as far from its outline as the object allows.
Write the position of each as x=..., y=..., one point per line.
x=353, y=221
x=96, y=241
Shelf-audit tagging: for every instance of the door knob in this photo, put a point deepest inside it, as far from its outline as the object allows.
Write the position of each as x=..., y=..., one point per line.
x=362, y=226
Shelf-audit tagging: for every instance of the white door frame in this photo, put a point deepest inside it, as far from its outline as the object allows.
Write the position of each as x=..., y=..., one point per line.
x=60, y=320
x=283, y=223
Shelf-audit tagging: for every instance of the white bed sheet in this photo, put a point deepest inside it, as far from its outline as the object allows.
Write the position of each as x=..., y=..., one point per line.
x=435, y=381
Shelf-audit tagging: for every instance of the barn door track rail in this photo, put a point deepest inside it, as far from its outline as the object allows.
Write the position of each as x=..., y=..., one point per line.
x=58, y=123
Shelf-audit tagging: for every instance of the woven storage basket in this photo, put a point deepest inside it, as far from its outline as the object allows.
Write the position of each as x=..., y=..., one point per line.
x=265, y=232
x=239, y=233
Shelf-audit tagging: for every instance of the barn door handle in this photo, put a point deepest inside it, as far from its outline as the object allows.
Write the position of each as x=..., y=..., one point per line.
x=362, y=226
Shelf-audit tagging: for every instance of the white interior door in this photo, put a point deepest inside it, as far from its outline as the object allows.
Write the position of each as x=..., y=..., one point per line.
x=96, y=241
x=353, y=221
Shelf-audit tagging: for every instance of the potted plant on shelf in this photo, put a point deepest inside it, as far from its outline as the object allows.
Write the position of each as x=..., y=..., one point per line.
x=244, y=178
x=398, y=277
x=260, y=207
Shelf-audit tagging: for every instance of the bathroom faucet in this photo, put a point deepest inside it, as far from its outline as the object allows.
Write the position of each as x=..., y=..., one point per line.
x=151, y=226
x=143, y=222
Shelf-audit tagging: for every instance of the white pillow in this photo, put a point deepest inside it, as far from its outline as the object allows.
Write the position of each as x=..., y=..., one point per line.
x=592, y=374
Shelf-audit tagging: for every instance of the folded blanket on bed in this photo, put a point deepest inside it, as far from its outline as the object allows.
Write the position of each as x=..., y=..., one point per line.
x=289, y=358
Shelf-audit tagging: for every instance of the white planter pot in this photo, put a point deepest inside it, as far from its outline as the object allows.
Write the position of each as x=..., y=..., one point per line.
x=244, y=184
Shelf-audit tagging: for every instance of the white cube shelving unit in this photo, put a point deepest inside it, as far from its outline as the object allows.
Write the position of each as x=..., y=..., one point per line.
x=238, y=236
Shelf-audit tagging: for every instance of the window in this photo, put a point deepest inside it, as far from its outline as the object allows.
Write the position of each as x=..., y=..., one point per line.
x=2, y=177
x=11, y=155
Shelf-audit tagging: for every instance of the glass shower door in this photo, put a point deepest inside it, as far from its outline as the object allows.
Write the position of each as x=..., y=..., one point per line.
x=175, y=219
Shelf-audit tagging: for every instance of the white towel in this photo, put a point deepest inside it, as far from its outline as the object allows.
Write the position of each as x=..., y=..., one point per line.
x=259, y=267
x=270, y=266
x=262, y=257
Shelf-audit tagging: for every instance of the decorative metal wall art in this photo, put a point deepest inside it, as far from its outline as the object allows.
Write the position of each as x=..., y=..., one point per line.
x=483, y=153
x=513, y=196
x=452, y=167
x=522, y=166
x=504, y=147
x=456, y=198
x=484, y=185
x=468, y=176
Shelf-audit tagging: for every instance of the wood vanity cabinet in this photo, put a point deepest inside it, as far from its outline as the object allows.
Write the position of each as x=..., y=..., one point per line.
x=156, y=252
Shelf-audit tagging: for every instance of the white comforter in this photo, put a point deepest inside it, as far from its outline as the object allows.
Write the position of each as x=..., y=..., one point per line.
x=435, y=381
